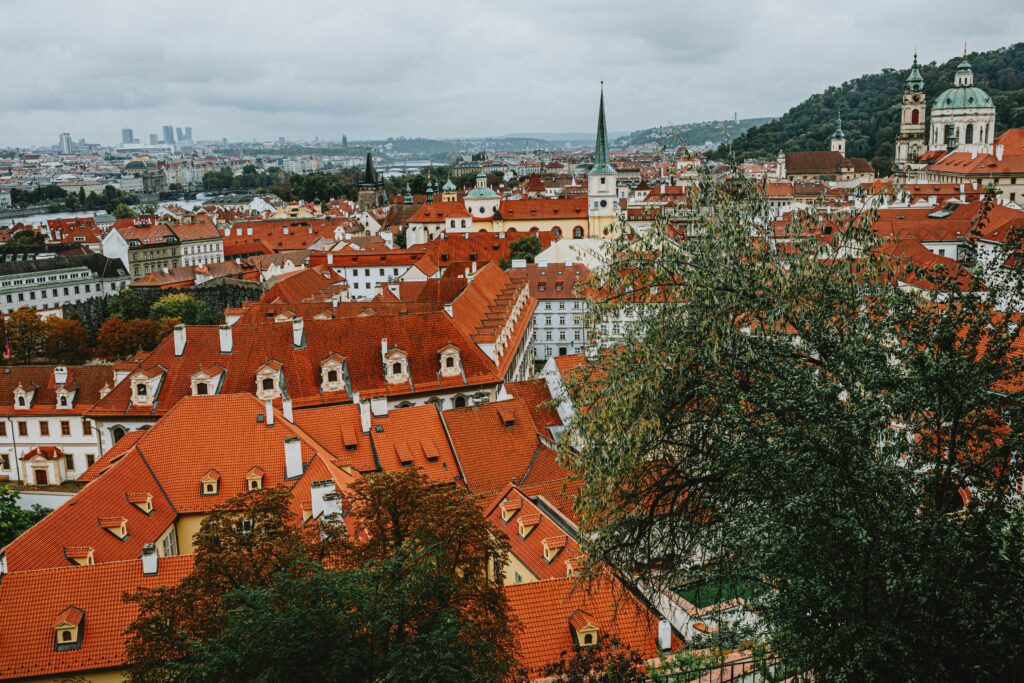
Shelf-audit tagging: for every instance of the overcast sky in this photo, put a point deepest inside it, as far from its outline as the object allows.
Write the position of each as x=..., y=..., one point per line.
x=304, y=68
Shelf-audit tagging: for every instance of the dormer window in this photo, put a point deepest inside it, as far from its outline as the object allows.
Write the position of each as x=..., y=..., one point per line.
x=141, y=500
x=80, y=555
x=202, y=389
x=509, y=509
x=396, y=365
x=62, y=402
x=209, y=485
x=268, y=381
x=332, y=373
x=144, y=386
x=118, y=526
x=141, y=389
x=205, y=382
x=254, y=479
x=528, y=523
x=451, y=361
x=585, y=628
x=552, y=546
x=68, y=629
x=23, y=398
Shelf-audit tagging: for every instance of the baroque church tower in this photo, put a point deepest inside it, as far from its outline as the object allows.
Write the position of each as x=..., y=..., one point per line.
x=839, y=137
x=602, y=195
x=912, y=142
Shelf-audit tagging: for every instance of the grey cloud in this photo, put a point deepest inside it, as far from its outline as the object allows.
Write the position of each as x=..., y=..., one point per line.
x=255, y=68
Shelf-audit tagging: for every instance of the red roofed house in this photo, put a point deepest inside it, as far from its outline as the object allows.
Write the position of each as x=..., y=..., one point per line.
x=45, y=438
x=1002, y=165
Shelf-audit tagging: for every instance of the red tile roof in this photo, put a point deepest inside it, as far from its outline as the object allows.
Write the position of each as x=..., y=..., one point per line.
x=357, y=339
x=478, y=433
x=79, y=521
x=85, y=380
x=545, y=610
x=552, y=281
x=33, y=603
x=304, y=284
x=536, y=395
x=530, y=550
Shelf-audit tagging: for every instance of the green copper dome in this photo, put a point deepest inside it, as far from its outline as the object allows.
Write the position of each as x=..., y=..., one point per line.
x=962, y=98
x=915, y=81
x=482, y=193
x=449, y=186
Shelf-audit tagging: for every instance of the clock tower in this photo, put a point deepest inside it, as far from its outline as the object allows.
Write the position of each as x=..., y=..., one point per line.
x=912, y=141
x=602, y=196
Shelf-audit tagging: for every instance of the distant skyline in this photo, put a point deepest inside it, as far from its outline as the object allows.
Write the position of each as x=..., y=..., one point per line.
x=306, y=69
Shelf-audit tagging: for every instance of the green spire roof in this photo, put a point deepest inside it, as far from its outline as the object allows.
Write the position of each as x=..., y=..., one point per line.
x=915, y=81
x=408, y=194
x=449, y=186
x=839, y=134
x=601, y=164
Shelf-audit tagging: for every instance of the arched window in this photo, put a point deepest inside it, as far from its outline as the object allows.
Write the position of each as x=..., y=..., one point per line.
x=577, y=232
x=21, y=401
x=460, y=401
x=63, y=401
x=557, y=232
x=915, y=116
x=117, y=433
x=969, y=134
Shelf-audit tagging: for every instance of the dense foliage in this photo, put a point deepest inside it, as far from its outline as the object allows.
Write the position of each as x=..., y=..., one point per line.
x=690, y=134
x=870, y=108
x=404, y=597
x=800, y=422
x=14, y=520
x=56, y=198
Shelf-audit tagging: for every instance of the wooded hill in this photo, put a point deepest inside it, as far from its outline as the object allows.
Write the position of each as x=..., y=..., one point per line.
x=870, y=107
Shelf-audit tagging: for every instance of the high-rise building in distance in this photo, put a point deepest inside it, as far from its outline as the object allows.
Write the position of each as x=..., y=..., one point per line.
x=168, y=135
x=181, y=136
x=153, y=139
x=188, y=133
x=65, y=143
x=127, y=136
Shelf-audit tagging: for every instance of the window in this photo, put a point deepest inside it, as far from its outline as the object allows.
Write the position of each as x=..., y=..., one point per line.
x=63, y=401
x=449, y=362
x=65, y=428
x=5, y=461
x=90, y=458
x=87, y=428
x=23, y=429
x=332, y=376
x=201, y=389
x=69, y=462
x=396, y=368
x=3, y=429
x=268, y=384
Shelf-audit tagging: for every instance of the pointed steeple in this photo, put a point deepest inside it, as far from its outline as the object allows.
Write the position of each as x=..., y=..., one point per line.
x=369, y=175
x=601, y=163
x=839, y=134
x=915, y=81
x=407, y=199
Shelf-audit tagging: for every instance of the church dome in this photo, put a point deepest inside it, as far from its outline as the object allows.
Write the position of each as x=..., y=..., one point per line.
x=962, y=98
x=482, y=193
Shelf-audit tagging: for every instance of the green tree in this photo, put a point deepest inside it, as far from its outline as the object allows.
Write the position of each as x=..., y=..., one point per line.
x=14, y=520
x=608, y=662
x=121, y=211
x=404, y=598
x=523, y=248
x=184, y=307
x=800, y=422
x=26, y=238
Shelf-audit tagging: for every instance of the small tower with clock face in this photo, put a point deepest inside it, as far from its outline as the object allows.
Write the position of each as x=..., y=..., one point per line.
x=912, y=141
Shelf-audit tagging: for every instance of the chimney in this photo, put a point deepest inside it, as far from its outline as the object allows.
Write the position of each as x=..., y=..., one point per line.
x=3, y=563
x=379, y=406
x=332, y=504
x=335, y=298
x=60, y=375
x=999, y=152
x=149, y=559
x=297, y=332
x=227, y=342
x=179, y=339
x=317, y=491
x=383, y=347
x=292, y=458
x=664, y=635
x=286, y=408
x=270, y=412
x=330, y=259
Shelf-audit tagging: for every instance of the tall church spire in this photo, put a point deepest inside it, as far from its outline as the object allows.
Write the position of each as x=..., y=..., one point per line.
x=369, y=175
x=601, y=164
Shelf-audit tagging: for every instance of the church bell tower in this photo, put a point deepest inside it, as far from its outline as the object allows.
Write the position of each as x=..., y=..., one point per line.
x=911, y=142
x=602, y=194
